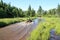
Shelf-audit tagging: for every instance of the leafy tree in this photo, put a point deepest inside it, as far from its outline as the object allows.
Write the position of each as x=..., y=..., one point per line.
x=32, y=12
x=53, y=11
x=39, y=10
x=29, y=11
x=21, y=13
x=2, y=13
x=8, y=11
x=58, y=9
x=25, y=13
x=44, y=13
x=50, y=12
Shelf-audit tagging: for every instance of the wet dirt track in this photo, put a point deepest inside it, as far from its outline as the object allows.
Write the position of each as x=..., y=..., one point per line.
x=18, y=31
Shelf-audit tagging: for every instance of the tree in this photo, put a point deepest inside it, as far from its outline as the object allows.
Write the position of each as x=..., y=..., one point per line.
x=53, y=11
x=2, y=2
x=44, y=13
x=39, y=10
x=14, y=13
x=58, y=9
x=29, y=11
x=25, y=13
x=50, y=12
x=32, y=12
x=8, y=11
x=21, y=13
x=2, y=13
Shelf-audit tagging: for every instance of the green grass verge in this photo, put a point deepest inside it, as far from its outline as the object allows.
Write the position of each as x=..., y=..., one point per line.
x=42, y=32
x=8, y=21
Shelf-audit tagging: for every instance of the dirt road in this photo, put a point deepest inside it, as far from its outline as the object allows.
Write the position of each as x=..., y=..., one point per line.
x=18, y=31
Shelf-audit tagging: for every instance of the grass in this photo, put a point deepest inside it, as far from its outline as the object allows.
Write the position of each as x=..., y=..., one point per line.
x=8, y=21
x=42, y=32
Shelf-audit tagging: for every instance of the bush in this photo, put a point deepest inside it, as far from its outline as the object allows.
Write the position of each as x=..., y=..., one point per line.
x=2, y=24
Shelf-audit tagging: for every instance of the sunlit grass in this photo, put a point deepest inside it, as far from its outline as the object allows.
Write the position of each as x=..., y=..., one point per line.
x=7, y=21
x=42, y=32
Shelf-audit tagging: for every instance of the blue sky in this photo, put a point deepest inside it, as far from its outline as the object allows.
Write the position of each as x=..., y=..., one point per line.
x=24, y=4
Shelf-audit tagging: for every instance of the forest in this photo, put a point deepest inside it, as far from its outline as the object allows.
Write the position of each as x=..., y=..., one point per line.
x=8, y=11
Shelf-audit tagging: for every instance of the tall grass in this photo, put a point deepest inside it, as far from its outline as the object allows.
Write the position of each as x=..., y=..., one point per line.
x=42, y=32
x=7, y=21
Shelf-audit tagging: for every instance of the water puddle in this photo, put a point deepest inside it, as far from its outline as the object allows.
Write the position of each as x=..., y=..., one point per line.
x=36, y=22
x=53, y=35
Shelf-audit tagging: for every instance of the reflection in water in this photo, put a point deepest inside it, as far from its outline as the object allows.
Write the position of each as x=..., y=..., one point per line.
x=36, y=22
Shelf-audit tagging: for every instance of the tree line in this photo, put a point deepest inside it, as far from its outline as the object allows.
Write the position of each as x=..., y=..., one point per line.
x=51, y=12
x=8, y=11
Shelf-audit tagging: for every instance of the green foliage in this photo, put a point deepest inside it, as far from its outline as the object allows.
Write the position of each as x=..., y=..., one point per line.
x=8, y=21
x=33, y=13
x=8, y=11
x=39, y=10
x=54, y=11
x=2, y=24
x=44, y=13
x=42, y=32
x=58, y=10
x=30, y=12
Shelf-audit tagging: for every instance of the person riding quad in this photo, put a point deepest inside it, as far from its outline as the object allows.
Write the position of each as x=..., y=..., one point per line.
x=29, y=20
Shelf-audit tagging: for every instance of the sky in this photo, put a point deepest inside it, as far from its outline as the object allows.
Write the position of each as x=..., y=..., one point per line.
x=24, y=4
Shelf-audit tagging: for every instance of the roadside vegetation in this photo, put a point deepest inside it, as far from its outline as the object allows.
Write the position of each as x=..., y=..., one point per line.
x=42, y=32
x=7, y=21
